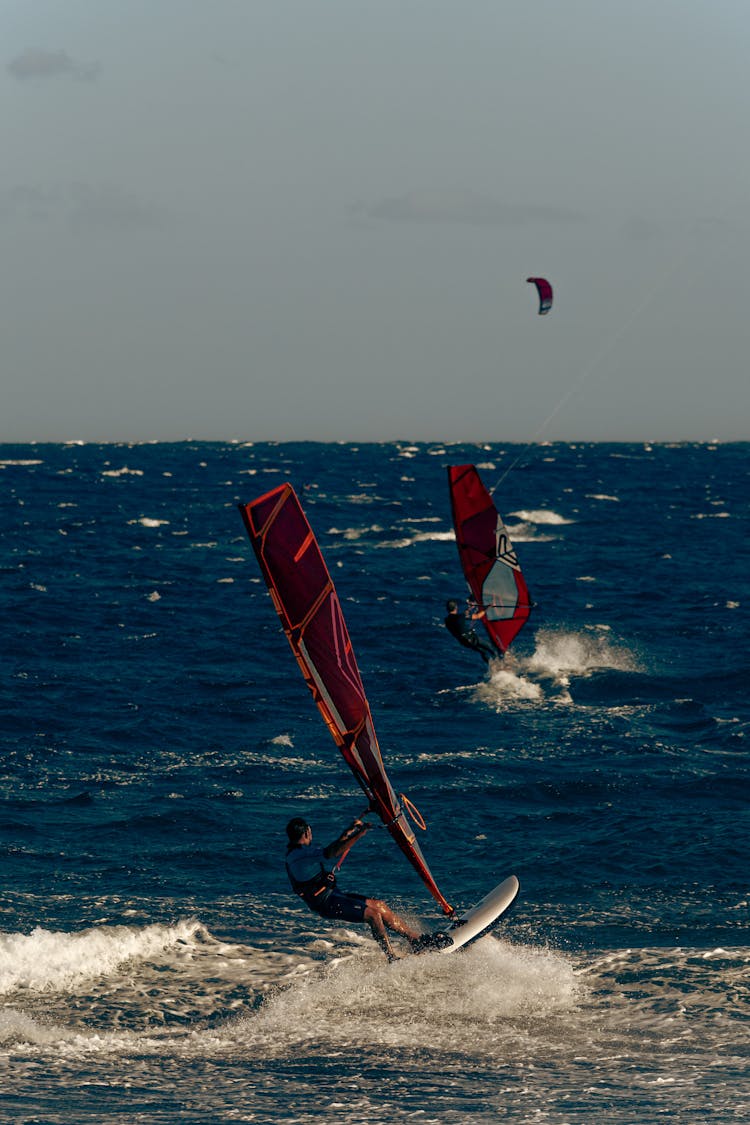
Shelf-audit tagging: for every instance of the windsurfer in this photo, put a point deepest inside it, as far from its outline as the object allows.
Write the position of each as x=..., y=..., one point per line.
x=312, y=873
x=458, y=626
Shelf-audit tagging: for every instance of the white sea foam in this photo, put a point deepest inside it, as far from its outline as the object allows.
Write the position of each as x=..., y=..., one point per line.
x=147, y=521
x=562, y=653
x=547, y=672
x=416, y=537
x=361, y=498
x=19, y=1027
x=123, y=472
x=352, y=995
x=504, y=685
x=354, y=533
x=541, y=516
x=46, y=960
x=431, y=1001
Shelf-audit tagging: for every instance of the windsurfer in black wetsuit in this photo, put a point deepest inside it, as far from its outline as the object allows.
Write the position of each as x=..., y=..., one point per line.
x=459, y=627
x=312, y=873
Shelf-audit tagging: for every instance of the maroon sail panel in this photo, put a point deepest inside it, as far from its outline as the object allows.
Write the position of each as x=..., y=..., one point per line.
x=311, y=615
x=487, y=557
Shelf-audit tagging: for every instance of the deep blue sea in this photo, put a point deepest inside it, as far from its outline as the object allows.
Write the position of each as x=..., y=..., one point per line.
x=157, y=735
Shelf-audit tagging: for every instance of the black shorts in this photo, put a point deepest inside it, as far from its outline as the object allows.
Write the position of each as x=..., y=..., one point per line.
x=339, y=904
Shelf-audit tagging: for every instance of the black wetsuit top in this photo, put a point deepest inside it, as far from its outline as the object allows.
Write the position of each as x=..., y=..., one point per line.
x=459, y=627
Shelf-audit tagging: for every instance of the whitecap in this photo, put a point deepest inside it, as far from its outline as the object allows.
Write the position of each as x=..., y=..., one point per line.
x=417, y=537
x=354, y=533
x=47, y=960
x=541, y=515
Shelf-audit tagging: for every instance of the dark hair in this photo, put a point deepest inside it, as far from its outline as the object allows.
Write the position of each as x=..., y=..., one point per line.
x=295, y=830
x=451, y=605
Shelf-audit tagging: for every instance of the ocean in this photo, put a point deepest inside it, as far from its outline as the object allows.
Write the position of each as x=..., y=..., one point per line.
x=157, y=735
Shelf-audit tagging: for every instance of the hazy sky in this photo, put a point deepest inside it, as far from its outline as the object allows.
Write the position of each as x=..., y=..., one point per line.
x=287, y=219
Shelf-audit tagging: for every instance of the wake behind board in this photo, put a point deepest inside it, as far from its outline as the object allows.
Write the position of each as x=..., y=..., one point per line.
x=475, y=922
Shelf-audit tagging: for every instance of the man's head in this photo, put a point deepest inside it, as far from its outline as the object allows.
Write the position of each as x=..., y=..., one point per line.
x=451, y=606
x=296, y=829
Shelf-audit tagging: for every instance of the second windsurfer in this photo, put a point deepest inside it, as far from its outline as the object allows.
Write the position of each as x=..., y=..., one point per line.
x=312, y=873
x=458, y=626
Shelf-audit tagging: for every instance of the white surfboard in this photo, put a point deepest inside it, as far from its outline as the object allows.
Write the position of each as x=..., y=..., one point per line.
x=483, y=916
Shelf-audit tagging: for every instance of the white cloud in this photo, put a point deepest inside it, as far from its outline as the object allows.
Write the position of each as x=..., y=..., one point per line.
x=465, y=207
x=35, y=62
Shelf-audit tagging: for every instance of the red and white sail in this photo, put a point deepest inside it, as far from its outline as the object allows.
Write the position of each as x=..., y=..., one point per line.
x=489, y=561
x=310, y=612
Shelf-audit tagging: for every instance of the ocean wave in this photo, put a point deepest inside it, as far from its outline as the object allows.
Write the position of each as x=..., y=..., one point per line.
x=429, y=1002
x=541, y=516
x=45, y=960
x=416, y=537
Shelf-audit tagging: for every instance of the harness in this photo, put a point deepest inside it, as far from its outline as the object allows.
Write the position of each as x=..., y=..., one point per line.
x=313, y=891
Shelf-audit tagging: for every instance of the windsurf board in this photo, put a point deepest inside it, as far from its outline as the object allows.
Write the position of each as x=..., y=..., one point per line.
x=475, y=922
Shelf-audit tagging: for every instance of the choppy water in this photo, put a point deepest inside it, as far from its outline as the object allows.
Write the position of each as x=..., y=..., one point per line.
x=156, y=736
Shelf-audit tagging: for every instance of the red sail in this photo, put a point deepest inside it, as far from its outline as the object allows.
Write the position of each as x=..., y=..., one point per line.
x=487, y=556
x=310, y=612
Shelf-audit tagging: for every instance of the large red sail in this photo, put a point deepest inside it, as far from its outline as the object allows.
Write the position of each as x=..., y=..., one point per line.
x=487, y=557
x=310, y=612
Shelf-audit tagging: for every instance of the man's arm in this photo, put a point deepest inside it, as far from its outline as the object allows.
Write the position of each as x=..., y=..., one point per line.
x=351, y=834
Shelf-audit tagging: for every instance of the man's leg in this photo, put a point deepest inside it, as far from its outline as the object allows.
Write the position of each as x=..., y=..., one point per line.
x=477, y=645
x=379, y=916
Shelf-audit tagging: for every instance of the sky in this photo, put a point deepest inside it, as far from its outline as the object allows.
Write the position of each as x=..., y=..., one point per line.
x=314, y=220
